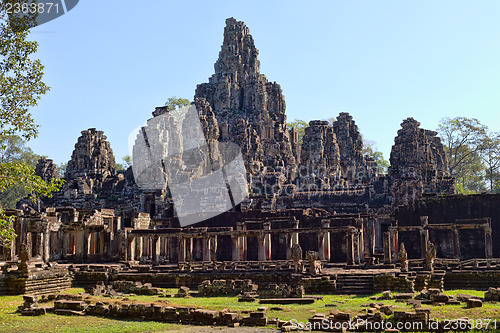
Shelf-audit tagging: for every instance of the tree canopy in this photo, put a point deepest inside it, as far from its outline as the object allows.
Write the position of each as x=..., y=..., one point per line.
x=300, y=126
x=21, y=87
x=473, y=154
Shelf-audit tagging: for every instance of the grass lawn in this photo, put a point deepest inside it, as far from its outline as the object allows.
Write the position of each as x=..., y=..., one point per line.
x=10, y=321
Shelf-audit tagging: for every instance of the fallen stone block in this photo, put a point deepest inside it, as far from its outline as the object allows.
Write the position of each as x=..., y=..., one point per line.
x=474, y=303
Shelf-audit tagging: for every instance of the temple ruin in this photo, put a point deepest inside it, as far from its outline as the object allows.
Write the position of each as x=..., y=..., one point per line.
x=322, y=196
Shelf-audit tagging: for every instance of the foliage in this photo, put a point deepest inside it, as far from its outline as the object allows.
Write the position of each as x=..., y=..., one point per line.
x=21, y=83
x=473, y=154
x=491, y=160
x=61, y=168
x=128, y=160
x=370, y=150
x=300, y=126
x=463, y=137
x=177, y=107
x=14, y=173
x=13, y=149
x=21, y=87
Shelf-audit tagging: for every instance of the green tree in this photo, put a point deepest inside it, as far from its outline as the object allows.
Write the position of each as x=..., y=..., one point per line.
x=370, y=150
x=21, y=87
x=490, y=156
x=174, y=103
x=300, y=126
x=470, y=175
x=176, y=107
x=128, y=160
x=61, y=168
x=463, y=137
x=13, y=149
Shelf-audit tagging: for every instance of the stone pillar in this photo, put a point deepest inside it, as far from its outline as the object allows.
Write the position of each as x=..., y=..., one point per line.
x=288, y=246
x=131, y=246
x=181, y=249
x=292, y=239
x=213, y=248
x=267, y=241
x=387, y=248
x=261, y=254
x=46, y=246
x=235, y=247
x=102, y=245
x=456, y=243
x=155, y=256
x=424, y=235
x=371, y=237
x=189, y=249
x=356, y=247
x=324, y=242
x=62, y=243
x=206, y=248
x=138, y=244
x=242, y=242
x=393, y=243
x=488, y=243
x=350, y=247
x=39, y=244
x=82, y=244
x=361, y=242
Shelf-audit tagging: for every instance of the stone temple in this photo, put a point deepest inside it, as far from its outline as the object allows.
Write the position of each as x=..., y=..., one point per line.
x=322, y=195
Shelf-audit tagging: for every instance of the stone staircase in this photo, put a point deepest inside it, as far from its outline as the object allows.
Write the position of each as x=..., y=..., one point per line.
x=355, y=284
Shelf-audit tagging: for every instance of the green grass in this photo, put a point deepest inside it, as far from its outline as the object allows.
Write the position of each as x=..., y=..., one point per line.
x=10, y=321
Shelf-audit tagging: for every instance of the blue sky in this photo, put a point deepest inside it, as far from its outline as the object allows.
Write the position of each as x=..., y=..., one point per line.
x=109, y=63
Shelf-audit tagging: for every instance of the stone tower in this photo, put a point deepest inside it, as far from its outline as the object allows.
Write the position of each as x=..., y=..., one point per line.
x=92, y=157
x=418, y=164
x=249, y=110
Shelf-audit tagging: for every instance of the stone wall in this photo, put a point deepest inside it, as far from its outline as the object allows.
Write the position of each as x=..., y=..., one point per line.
x=449, y=209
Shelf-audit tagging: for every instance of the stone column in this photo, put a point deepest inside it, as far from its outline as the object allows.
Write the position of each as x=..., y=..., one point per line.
x=163, y=248
x=371, y=237
x=387, y=248
x=393, y=242
x=261, y=254
x=131, y=245
x=456, y=243
x=156, y=250
x=292, y=239
x=361, y=242
x=235, y=247
x=213, y=248
x=138, y=245
x=189, y=249
x=267, y=241
x=350, y=247
x=81, y=244
x=63, y=243
x=242, y=242
x=324, y=242
x=46, y=246
x=102, y=252
x=206, y=248
x=181, y=249
x=87, y=245
x=288, y=246
x=356, y=247
x=424, y=235
x=488, y=242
